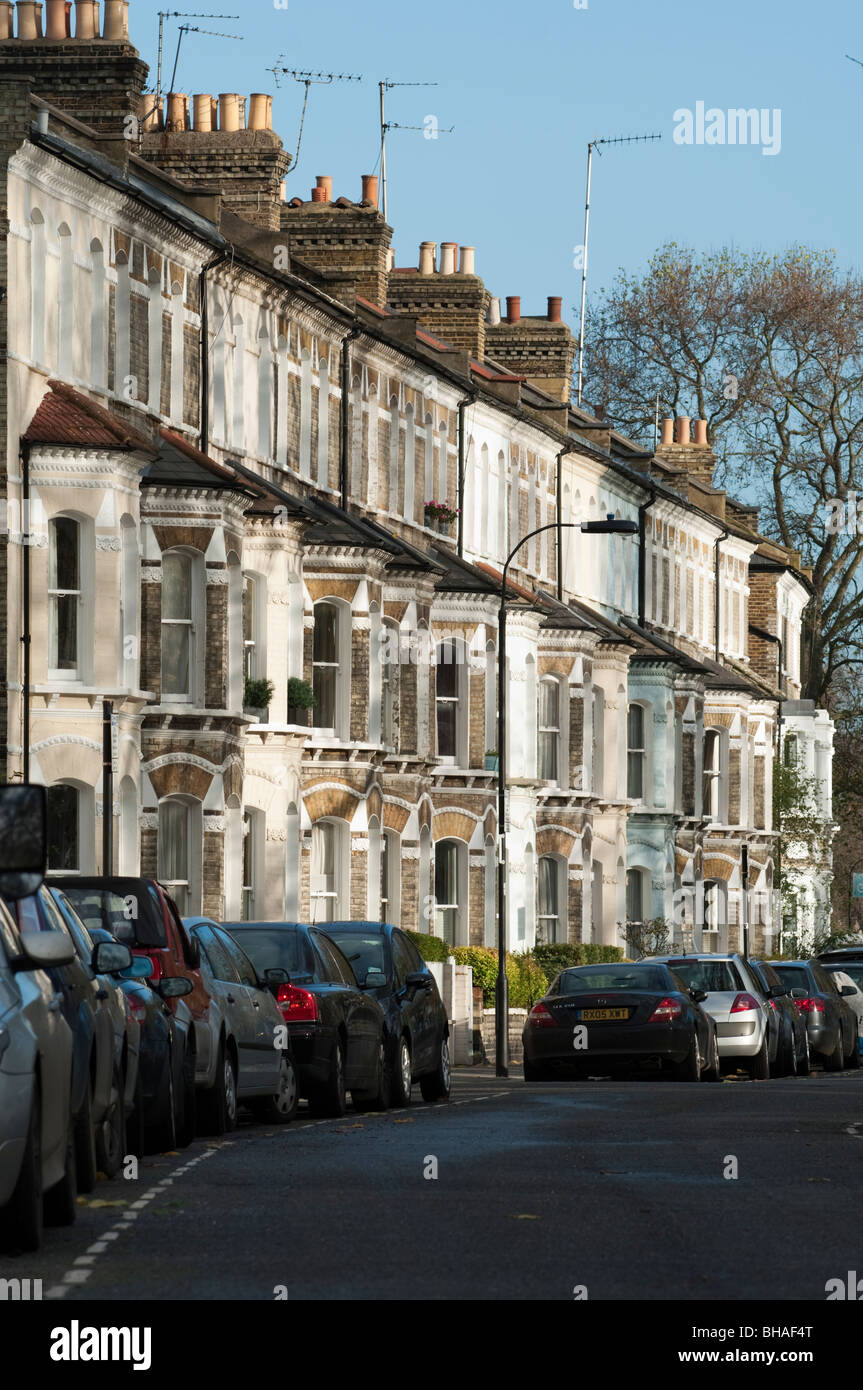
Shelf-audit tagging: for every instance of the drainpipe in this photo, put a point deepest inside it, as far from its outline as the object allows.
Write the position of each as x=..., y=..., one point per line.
x=462, y=407
x=26, y=640
x=204, y=435
x=344, y=440
x=719, y=539
x=642, y=555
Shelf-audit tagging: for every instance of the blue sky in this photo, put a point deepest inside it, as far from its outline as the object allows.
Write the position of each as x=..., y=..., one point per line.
x=526, y=86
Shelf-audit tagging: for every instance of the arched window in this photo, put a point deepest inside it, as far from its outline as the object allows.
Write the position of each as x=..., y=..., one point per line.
x=180, y=603
x=549, y=761
x=236, y=676
x=323, y=422
x=292, y=863
x=65, y=598
x=64, y=829
x=393, y=504
x=282, y=401
x=390, y=877
x=97, y=315
x=550, y=900
x=265, y=392
x=305, y=414
x=598, y=764
x=390, y=684
x=331, y=667
x=37, y=286
x=124, y=386
x=179, y=856
x=154, y=342
x=131, y=602
x=442, y=470
x=637, y=890
x=66, y=314
x=713, y=795
x=128, y=827
x=254, y=829
x=636, y=754
x=328, y=886
x=449, y=891
x=451, y=702
x=178, y=352
x=410, y=463
x=238, y=414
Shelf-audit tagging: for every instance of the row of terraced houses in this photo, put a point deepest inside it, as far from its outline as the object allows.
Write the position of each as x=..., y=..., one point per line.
x=226, y=412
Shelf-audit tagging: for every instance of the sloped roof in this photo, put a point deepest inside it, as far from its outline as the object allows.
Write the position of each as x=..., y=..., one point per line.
x=67, y=418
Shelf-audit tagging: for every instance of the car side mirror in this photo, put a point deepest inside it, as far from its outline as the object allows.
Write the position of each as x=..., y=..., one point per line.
x=174, y=987
x=418, y=979
x=799, y=994
x=140, y=969
x=848, y=989
x=42, y=949
x=23, y=840
x=698, y=995
x=110, y=958
x=275, y=977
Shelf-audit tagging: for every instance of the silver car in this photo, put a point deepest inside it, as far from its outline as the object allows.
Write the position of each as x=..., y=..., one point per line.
x=253, y=1067
x=747, y=1028
x=849, y=982
x=35, y=1089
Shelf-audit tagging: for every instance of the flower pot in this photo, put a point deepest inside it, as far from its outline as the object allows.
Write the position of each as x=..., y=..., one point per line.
x=492, y=762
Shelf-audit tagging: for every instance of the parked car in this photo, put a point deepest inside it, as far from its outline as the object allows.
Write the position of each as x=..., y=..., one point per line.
x=792, y=1057
x=747, y=1029
x=111, y=1131
x=830, y=1022
x=632, y=1014
x=388, y=965
x=251, y=1066
x=337, y=1031
x=849, y=978
x=92, y=1030
x=140, y=912
x=37, y=1133
x=165, y=1059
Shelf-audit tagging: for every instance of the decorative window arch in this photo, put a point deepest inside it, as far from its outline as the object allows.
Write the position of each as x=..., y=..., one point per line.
x=395, y=429
x=305, y=414
x=124, y=386
x=282, y=401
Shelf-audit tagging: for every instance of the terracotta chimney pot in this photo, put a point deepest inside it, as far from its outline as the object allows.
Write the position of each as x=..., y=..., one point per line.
x=428, y=250
x=55, y=19
x=86, y=20
x=229, y=110
x=468, y=260
x=29, y=19
x=701, y=433
x=555, y=304
x=447, y=257
x=116, y=20
x=202, y=104
x=260, y=111
x=370, y=189
x=178, y=111
x=683, y=429
x=513, y=308
x=325, y=181
x=667, y=433
x=319, y=195
x=7, y=27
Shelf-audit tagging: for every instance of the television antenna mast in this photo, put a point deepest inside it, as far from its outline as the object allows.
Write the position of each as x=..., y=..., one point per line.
x=384, y=87
x=310, y=79
x=595, y=145
x=184, y=29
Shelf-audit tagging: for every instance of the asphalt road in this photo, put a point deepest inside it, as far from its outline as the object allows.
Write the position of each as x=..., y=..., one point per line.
x=617, y=1187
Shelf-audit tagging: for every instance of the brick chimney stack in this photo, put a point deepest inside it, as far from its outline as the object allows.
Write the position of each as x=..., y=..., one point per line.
x=451, y=302
x=684, y=446
x=94, y=74
x=347, y=243
x=215, y=148
x=541, y=349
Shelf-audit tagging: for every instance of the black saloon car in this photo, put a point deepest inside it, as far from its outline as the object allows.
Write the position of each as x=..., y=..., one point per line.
x=601, y=1018
x=830, y=1022
x=792, y=1053
x=336, y=1030
x=388, y=965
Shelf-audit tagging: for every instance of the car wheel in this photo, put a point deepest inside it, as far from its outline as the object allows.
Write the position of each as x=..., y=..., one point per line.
x=759, y=1065
x=378, y=1098
x=438, y=1084
x=804, y=1061
x=400, y=1085
x=836, y=1060
x=330, y=1100
x=111, y=1134
x=714, y=1069
x=852, y=1058
x=61, y=1201
x=21, y=1218
x=534, y=1072
x=282, y=1107
x=85, y=1142
x=690, y=1068
x=789, y=1057
x=214, y=1100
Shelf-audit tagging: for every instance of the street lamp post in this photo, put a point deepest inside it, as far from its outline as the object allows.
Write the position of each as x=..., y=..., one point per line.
x=501, y=998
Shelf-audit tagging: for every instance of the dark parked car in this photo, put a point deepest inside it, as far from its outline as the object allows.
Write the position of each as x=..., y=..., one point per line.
x=337, y=1031
x=166, y=1068
x=792, y=1056
x=609, y=1017
x=388, y=965
x=830, y=1023
x=251, y=1067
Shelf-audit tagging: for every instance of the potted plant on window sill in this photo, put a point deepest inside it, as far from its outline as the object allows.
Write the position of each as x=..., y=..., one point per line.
x=300, y=700
x=257, y=696
x=491, y=760
x=440, y=516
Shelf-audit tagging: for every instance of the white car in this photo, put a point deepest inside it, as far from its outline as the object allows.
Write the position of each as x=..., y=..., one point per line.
x=849, y=986
x=747, y=1029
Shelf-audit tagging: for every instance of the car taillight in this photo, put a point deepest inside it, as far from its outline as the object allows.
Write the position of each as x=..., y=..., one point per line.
x=297, y=1005
x=810, y=1006
x=542, y=1017
x=666, y=1010
x=744, y=1003
x=137, y=1008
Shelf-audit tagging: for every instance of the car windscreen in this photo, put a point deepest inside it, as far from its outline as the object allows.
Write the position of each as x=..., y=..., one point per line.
x=613, y=977
x=713, y=976
x=793, y=976
x=135, y=918
x=272, y=948
x=365, y=953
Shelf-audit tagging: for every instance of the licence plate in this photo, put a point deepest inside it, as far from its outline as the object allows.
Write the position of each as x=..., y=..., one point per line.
x=602, y=1015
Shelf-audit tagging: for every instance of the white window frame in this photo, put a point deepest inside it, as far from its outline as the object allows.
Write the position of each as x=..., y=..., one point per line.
x=192, y=883
x=459, y=907
x=556, y=731
x=84, y=532
x=329, y=896
x=194, y=624
x=634, y=751
x=559, y=931
x=459, y=700
x=342, y=667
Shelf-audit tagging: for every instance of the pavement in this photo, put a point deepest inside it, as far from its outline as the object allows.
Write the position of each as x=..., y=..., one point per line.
x=645, y=1189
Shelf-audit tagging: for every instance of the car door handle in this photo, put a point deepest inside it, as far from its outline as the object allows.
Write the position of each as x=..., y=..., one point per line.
x=55, y=1004
x=256, y=1004
x=101, y=994
x=231, y=999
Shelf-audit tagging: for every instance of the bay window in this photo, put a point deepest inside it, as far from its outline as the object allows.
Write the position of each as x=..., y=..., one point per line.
x=636, y=753
x=178, y=626
x=548, y=748
x=64, y=596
